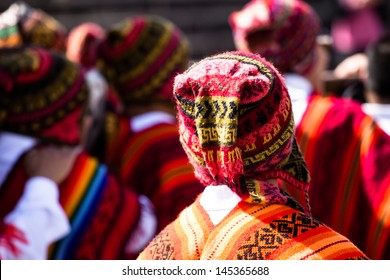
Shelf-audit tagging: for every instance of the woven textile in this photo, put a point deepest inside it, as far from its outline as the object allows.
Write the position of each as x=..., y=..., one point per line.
x=350, y=186
x=102, y=214
x=140, y=57
x=249, y=232
x=41, y=94
x=283, y=31
x=153, y=161
x=236, y=126
x=82, y=43
x=21, y=25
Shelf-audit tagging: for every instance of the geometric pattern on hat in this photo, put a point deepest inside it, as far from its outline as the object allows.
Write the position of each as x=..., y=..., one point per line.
x=283, y=31
x=236, y=125
x=140, y=57
x=42, y=94
x=21, y=24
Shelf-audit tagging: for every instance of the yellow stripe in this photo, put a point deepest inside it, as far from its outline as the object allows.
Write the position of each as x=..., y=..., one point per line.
x=314, y=117
x=81, y=186
x=153, y=55
x=310, y=245
x=191, y=227
x=225, y=236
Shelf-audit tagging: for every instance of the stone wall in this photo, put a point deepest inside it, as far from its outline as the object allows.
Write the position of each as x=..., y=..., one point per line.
x=204, y=21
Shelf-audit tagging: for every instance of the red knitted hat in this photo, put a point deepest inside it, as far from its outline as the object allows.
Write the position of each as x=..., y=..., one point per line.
x=82, y=43
x=42, y=94
x=236, y=123
x=283, y=31
x=21, y=24
x=140, y=57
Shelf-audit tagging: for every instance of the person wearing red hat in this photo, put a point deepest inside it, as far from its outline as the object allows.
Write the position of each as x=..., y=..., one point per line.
x=45, y=115
x=140, y=57
x=344, y=148
x=237, y=128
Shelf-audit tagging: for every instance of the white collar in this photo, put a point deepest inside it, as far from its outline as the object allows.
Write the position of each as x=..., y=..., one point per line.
x=218, y=201
x=146, y=120
x=12, y=146
x=380, y=113
x=375, y=109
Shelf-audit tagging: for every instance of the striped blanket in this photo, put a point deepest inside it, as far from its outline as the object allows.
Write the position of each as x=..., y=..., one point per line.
x=348, y=157
x=102, y=213
x=154, y=162
x=249, y=232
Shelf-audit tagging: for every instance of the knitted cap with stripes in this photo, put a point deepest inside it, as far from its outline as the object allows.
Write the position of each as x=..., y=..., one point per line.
x=236, y=124
x=283, y=31
x=42, y=94
x=140, y=57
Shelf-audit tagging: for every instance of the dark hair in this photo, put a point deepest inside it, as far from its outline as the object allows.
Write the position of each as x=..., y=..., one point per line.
x=379, y=66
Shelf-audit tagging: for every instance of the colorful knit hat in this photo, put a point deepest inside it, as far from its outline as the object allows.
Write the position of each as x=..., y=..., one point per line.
x=42, y=94
x=282, y=31
x=140, y=57
x=236, y=124
x=82, y=43
x=21, y=24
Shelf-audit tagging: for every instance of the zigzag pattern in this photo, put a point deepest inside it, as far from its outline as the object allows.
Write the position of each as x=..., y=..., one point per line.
x=221, y=109
x=271, y=150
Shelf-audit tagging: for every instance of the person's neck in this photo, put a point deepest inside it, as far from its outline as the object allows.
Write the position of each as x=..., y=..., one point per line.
x=373, y=97
x=315, y=82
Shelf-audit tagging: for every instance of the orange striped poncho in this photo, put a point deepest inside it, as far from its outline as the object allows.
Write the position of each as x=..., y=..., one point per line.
x=249, y=232
x=348, y=157
x=102, y=214
x=155, y=164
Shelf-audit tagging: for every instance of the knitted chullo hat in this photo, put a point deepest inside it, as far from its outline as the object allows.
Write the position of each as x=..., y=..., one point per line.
x=82, y=43
x=237, y=127
x=283, y=31
x=140, y=57
x=42, y=94
x=21, y=24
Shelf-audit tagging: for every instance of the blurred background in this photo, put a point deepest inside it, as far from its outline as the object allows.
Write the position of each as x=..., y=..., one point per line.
x=205, y=22
x=201, y=20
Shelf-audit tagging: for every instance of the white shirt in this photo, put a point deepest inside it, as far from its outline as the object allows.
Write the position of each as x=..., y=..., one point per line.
x=380, y=113
x=12, y=146
x=40, y=217
x=144, y=121
x=218, y=201
x=38, y=213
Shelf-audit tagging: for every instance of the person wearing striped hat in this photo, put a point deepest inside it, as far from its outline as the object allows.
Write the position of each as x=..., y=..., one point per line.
x=140, y=56
x=237, y=128
x=45, y=114
x=344, y=148
x=82, y=47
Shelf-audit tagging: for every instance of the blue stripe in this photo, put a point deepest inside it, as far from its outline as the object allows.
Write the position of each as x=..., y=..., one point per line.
x=80, y=219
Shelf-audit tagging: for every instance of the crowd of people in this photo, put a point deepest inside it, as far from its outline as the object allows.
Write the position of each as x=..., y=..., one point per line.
x=114, y=146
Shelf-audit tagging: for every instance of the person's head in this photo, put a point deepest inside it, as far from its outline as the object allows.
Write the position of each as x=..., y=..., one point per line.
x=236, y=123
x=140, y=57
x=378, y=82
x=21, y=25
x=82, y=47
x=283, y=31
x=43, y=95
x=82, y=43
